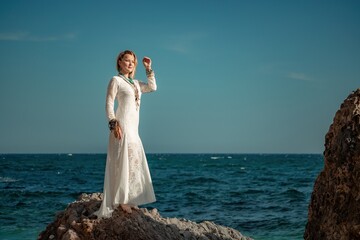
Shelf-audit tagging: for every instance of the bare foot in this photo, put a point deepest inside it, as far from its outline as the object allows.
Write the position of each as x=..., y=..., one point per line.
x=126, y=208
x=134, y=207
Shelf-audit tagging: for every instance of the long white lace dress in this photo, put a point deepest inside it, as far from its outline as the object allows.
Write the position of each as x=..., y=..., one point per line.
x=127, y=176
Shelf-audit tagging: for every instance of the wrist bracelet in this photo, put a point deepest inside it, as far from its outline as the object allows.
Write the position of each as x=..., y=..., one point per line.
x=149, y=71
x=112, y=124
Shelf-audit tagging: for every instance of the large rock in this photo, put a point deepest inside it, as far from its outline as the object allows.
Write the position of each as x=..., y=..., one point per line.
x=334, y=210
x=78, y=222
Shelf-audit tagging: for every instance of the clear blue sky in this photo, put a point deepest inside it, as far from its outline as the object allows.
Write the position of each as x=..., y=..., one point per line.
x=233, y=76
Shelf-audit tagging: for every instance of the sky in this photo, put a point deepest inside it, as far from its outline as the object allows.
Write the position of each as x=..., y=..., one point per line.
x=233, y=76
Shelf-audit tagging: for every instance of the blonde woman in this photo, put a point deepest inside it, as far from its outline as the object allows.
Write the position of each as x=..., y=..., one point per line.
x=127, y=181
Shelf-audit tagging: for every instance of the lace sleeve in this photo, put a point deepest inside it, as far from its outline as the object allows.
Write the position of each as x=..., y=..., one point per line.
x=150, y=86
x=110, y=98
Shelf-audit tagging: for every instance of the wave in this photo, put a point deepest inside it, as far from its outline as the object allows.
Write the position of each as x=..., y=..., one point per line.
x=205, y=180
x=220, y=157
x=8, y=180
x=293, y=192
x=293, y=195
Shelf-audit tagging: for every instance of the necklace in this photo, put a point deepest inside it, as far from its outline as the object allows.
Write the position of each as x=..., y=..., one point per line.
x=136, y=91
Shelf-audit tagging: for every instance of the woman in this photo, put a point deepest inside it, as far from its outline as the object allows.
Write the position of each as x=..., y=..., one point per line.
x=127, y=178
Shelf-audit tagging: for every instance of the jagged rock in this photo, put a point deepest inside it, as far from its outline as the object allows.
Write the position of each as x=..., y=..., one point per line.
x=77, y=222
x=334, y=210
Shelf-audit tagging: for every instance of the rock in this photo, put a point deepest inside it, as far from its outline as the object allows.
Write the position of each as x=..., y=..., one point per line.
x=77, y=222
x=70, y=235
x=334, y=210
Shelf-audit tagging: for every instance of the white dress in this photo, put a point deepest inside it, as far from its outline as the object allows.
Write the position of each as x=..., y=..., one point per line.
x=127, y=176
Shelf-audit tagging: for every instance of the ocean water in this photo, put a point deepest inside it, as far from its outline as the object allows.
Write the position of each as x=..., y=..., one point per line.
x=264, y=196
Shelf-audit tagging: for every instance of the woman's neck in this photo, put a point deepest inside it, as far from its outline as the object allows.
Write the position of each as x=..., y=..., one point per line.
x=125, y=74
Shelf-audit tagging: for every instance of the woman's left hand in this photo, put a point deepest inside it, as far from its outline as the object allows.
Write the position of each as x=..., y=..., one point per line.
x=147, y=63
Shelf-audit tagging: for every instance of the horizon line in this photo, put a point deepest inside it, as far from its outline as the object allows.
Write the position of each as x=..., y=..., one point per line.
x=169, y=153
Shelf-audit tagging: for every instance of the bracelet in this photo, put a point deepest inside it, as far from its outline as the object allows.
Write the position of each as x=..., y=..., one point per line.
x=112, y=124
x=149, y=72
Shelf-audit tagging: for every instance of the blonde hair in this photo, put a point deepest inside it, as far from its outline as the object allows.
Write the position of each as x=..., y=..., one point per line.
x=120, y=57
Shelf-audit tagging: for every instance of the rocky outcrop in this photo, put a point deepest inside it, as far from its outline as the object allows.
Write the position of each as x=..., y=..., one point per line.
x=334, y=210
x=78, y=222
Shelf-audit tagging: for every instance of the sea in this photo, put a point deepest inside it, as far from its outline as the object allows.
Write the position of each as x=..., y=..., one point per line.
x=264, y=196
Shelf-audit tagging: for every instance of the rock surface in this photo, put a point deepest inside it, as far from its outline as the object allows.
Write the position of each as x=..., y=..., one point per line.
x=334, y=210
x=78, y=222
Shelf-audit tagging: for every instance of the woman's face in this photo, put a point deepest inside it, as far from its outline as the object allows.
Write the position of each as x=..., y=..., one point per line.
x=127, y=64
